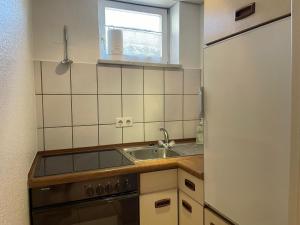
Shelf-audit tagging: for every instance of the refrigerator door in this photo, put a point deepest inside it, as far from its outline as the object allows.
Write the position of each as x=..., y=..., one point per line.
x=247, y=83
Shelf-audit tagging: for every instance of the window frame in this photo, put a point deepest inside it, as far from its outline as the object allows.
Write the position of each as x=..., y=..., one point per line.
x=139, y=8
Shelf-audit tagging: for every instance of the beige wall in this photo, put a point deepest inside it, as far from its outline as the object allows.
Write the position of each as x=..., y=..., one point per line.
x=17, y=123
x=295, y=156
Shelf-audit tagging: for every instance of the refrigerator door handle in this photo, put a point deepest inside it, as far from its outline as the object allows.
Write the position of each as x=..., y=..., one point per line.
x=245, y=11
x=201, y=102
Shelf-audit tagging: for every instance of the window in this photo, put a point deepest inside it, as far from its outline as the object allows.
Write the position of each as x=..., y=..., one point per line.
x=141, y=29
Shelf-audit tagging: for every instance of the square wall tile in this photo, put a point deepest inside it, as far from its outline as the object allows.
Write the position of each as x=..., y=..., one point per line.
x=191, y=107
x=58, y=138
x=85, y=110
x=39, y=110
x=37, y=77
x=133, y=107
x=192, y=81
x=152, y=132
x=56, y=78
x=154, y=81
x=173, y=107
x=189, y=128
x=84, y=78
x=132, y=80
x=154, y=108
x=134, y=133
x=109, y=108
x=57, y=110
x=173, y=81
x=109, y=79
x=174, y=129
x=85, y=136
x=109, y=134
x=40, y=139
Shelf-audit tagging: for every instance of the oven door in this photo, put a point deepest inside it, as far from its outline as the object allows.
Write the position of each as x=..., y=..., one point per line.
x=118, y=210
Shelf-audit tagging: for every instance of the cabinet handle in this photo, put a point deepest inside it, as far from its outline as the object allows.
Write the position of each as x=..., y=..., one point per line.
x=245, y=11
x=189, y=184
x=187, y=206
x=162, y=203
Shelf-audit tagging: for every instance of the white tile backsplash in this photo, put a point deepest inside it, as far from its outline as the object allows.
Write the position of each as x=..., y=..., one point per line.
x=109, y=134
x=132, y=80
x=84, y=109
x=84, y=78
x=173, y=82
x=173, y=107
x=109, y=79
x=152, y=132
x=58, y=138
x=109, y=108
x=55, y=78
x=192, y=81
x=191, y=107
x=134, y=133
x=57, y=110
x=154, y=108
x=85, y=136
x=153, y=97
x=175, y=129
x=154, y=81
x=133, y=107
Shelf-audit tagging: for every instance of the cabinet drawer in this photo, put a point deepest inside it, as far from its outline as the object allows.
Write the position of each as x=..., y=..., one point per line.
x=213, y=219
x=190, y=211
x=159, y=208
x=227, y=17
x=191, y=185
x=158, y=181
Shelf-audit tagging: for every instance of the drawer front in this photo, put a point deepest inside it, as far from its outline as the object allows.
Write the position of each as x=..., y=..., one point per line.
x=227, y=17
x=191, y=185
x=190, y=211
x=213, y=219
x=159, y=208
x=158, y=181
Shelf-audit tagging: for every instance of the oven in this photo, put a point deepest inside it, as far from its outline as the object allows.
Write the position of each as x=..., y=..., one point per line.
x=110, y=201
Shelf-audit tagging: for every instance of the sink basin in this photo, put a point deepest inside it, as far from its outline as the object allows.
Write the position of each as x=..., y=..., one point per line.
x=144, y=153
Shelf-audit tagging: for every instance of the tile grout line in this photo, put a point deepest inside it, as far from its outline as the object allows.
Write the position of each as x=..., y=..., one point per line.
x=121, y=67
x=71, y=96
x=164, y=95
x=43, y=113
x=183, y=89
x=98, y=111
x=144, y=124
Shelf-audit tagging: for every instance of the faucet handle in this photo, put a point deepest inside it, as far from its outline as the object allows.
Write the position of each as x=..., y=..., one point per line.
x=172, y=143
x=160, y=143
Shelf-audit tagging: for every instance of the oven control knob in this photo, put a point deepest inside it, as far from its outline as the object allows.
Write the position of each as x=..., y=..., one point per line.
x=117, y=186
x=100, y=189
x=108, y=188
x=126, y=184
x=89, y=191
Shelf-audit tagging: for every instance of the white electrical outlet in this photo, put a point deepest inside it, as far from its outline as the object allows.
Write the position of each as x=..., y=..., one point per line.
x=127, y=122
x=119, y=122
x=124, y=122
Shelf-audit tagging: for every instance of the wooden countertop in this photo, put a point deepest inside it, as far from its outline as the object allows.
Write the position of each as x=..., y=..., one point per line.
x=192, y=164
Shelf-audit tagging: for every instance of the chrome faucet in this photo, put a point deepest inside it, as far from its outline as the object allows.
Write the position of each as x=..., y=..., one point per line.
x=167, y=144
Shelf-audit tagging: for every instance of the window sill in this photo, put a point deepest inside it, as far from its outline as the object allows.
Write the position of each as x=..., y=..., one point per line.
x=133, y=63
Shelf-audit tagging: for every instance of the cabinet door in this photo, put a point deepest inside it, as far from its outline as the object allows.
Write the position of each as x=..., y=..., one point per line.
x=220, y=15
x=190, y=211
x=212, y=218
x=159, y=208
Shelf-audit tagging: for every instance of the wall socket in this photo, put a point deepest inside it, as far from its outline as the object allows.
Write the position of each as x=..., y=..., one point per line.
x=124, y=122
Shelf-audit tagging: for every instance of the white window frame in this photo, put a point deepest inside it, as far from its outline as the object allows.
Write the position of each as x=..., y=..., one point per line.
x=133, y=7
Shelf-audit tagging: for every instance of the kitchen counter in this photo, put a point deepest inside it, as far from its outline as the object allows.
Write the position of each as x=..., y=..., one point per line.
x=191, y=163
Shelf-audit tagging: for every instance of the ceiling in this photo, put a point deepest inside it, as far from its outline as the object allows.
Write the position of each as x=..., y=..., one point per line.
x=160, y=3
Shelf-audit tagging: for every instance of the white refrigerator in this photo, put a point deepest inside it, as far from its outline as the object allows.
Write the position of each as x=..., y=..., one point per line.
x=247, y=81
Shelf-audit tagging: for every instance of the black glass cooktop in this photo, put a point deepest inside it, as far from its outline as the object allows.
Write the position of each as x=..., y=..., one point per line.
x=76, y=162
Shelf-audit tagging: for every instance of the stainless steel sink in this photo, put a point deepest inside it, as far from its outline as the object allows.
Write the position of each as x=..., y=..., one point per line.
x=144, y=153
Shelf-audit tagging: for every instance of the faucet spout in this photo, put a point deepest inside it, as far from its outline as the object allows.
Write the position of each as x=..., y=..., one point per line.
x=166, y=135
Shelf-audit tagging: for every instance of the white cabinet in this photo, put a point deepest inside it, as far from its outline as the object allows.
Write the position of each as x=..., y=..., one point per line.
x=159, y=208
x=213, y=219
x=190, y=211
x=220, y=16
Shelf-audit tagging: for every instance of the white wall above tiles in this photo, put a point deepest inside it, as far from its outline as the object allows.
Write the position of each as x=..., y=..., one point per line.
x=77, y=106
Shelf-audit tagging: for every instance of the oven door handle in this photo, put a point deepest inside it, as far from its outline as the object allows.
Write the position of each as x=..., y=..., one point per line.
x=120, y=197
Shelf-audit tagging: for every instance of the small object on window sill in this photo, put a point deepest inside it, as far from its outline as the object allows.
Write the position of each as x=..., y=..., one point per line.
x=133, y=63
